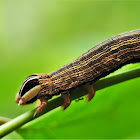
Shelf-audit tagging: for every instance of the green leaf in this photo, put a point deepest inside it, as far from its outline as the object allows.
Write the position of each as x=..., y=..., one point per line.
x=13, y=135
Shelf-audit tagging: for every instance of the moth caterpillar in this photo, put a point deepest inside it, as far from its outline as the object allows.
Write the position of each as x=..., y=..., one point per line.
x=94, y=64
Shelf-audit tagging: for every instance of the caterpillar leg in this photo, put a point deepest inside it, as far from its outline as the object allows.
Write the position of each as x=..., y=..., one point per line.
x=67, y=101
x=43, y=104
x=91, y=92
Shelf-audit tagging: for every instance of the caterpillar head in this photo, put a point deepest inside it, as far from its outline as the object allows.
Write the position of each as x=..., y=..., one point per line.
x=29, y=90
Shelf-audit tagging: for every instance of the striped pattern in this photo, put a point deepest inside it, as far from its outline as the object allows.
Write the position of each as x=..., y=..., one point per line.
x=97, y=62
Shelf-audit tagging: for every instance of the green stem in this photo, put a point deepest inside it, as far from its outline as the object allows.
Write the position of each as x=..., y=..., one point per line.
x=4, y=120
x=100, y=84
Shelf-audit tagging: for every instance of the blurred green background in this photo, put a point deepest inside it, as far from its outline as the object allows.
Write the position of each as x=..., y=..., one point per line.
x=40, y=36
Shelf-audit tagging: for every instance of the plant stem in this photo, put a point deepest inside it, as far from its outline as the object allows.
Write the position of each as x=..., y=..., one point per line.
x=77, y=93
x=4, y=120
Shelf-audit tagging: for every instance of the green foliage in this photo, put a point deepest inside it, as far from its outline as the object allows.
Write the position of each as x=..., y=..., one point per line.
x=41, y=36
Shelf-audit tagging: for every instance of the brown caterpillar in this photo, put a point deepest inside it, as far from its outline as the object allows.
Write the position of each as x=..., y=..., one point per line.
x=96, y=63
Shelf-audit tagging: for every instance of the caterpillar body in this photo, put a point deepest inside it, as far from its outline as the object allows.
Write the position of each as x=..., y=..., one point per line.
x=94, y=64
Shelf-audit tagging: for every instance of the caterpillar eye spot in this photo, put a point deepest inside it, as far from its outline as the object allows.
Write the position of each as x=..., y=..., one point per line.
x=28, y=91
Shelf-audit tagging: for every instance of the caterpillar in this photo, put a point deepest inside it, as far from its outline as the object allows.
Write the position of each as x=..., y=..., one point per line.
x=99, y=61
